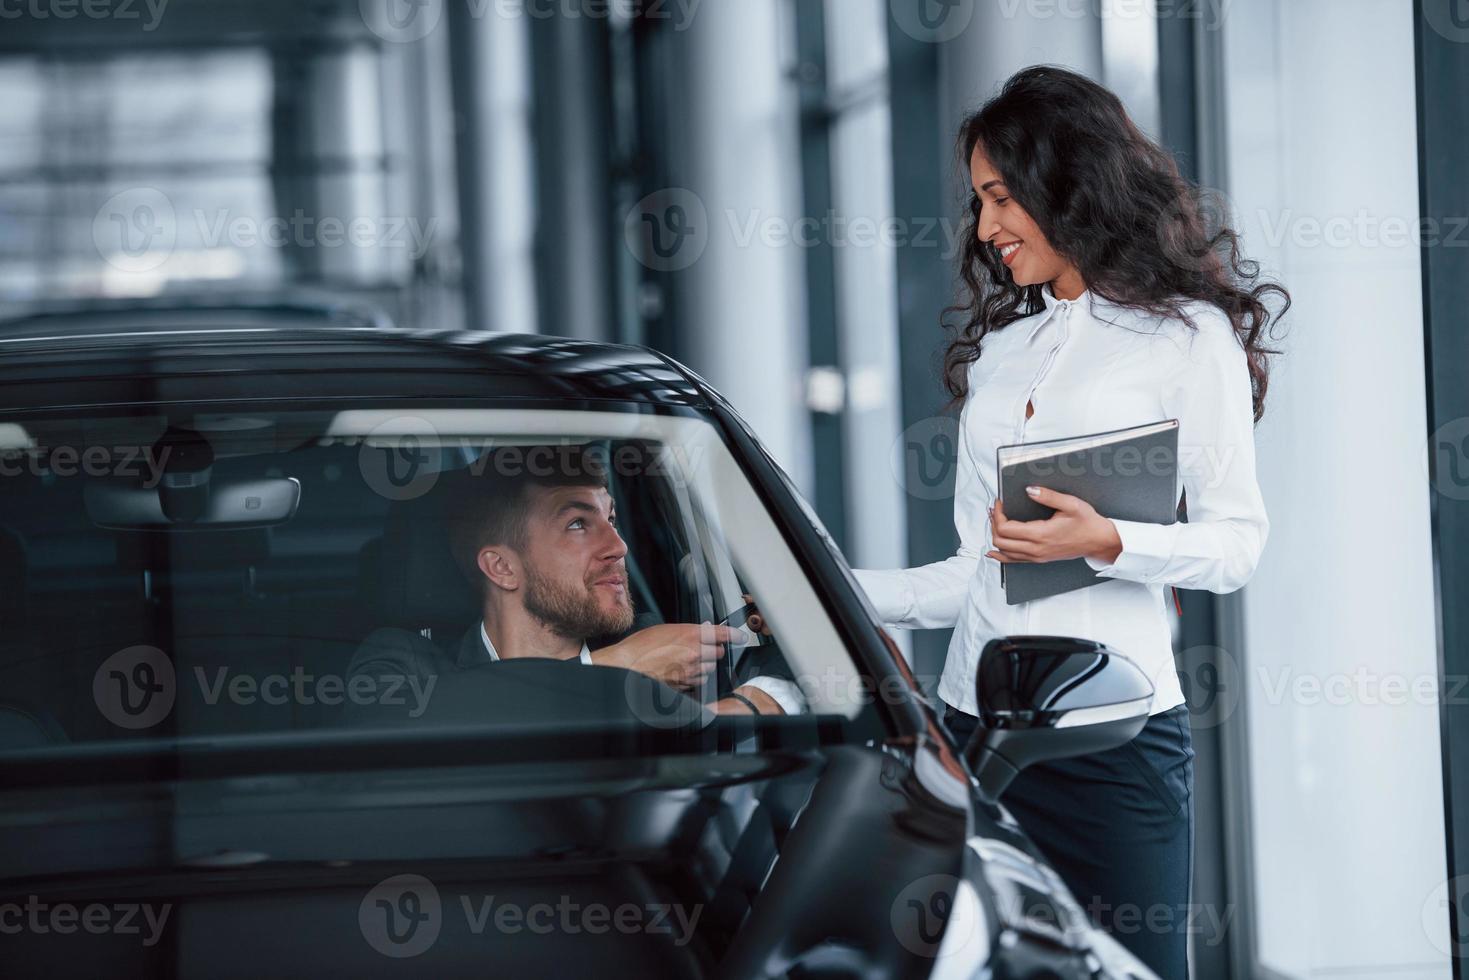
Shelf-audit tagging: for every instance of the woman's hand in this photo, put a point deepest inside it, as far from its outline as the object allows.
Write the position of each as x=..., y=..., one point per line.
x=1075, y=530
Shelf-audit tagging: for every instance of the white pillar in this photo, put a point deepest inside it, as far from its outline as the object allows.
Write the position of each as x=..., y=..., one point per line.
x=1002, y=38
x=742, y=304
x=491, y=71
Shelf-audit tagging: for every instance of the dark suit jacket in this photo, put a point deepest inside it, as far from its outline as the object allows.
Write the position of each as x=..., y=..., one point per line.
x=390, y=652
x=398, y=653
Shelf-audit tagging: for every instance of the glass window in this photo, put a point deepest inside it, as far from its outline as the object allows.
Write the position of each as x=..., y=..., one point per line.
x=865, y=235
x=138, y=175
x=1338, y=665
x=216, y=575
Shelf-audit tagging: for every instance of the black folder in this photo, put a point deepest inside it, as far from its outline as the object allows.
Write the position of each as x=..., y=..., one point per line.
x=1126, y=474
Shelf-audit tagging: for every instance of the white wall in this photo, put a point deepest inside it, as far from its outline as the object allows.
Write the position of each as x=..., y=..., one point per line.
x=1346, y=795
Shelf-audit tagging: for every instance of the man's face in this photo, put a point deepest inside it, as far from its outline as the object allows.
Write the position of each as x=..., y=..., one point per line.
x=575, y=563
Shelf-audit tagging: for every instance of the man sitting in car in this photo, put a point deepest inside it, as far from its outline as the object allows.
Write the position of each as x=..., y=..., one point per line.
x=541, y=545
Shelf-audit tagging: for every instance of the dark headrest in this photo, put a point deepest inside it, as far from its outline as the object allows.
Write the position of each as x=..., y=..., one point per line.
x=411, y=574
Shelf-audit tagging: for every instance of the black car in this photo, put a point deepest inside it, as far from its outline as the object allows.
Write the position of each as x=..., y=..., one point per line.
x=201, y=528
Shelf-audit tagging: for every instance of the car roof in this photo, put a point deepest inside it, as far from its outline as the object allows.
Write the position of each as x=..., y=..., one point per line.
x=245, y=354
x=118, y=315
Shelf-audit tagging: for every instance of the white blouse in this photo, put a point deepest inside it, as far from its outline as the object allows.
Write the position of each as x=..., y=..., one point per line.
x=1088, y=365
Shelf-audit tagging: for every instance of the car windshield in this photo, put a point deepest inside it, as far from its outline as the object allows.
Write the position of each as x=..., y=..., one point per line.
x=211, y=578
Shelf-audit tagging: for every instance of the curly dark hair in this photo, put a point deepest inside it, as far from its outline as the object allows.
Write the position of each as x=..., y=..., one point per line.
x=1112, y=203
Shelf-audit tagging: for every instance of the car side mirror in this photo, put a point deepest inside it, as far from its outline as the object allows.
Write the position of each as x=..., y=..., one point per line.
x=1051, y=697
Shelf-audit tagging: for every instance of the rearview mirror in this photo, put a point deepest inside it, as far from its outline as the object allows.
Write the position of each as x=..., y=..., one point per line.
x=1051, y=697
x=230, y=505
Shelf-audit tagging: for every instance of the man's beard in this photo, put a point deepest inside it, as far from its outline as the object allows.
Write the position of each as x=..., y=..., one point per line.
x=574, y=613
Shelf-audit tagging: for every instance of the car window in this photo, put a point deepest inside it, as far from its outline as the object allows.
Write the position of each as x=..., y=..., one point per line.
x=210, y=575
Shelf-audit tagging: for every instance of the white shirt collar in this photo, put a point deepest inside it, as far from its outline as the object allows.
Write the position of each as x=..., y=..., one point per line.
x=586, y=653
x=1052, y=300
x=1091, y=304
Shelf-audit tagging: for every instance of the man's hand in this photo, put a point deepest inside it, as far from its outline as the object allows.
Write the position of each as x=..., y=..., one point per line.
x=756, y=621
x=680, y=655
x=733, y=706
x=1075, y=530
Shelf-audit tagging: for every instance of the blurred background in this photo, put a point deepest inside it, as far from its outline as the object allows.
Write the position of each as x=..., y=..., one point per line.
x=768, y=191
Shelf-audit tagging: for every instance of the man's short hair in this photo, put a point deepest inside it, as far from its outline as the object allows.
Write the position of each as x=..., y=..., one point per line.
x=489, y=502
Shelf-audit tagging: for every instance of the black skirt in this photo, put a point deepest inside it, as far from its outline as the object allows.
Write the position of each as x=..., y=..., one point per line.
x=1118, y=827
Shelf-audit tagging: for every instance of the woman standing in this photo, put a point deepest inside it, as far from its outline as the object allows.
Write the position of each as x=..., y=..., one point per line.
x=1097, y=300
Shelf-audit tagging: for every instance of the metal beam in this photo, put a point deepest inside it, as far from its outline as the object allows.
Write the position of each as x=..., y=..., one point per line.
x=1443, y=159
x=921, y=158
x=822, y=332
x=571, y=61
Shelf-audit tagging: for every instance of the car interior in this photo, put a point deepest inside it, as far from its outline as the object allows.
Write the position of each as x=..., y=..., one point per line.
x=296, y=595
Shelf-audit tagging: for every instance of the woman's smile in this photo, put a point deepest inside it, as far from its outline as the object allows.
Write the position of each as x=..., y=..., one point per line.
x=1008, y=250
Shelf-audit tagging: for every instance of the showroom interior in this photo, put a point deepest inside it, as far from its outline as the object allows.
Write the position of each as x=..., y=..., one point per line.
x=768, y=191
